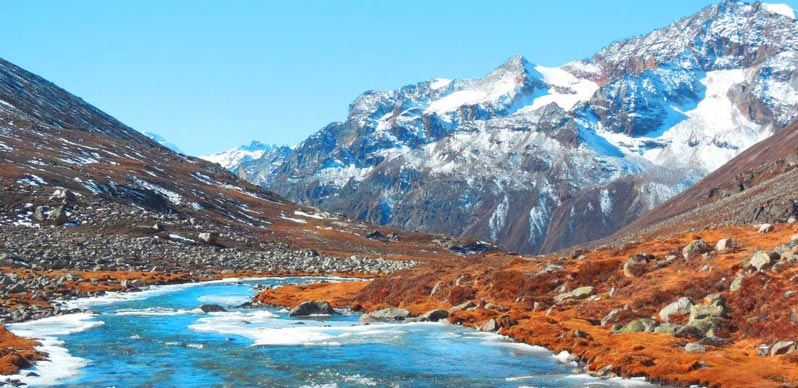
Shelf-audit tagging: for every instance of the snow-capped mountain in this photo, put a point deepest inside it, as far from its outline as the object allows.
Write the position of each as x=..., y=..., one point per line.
x=541, y=158
x=232, y=159
x=162, y=141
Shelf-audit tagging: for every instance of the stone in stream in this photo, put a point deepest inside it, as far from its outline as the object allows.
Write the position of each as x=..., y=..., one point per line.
x=211, y=308
x=311, y=307
x=490, y=326
x=434, y=315
x=765, y=228
x=390, y=314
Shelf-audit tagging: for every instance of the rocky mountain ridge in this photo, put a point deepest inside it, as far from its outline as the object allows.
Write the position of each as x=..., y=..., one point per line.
x=540, y=158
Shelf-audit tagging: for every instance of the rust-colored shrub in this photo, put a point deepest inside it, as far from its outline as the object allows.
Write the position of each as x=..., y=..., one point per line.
x=460, y=294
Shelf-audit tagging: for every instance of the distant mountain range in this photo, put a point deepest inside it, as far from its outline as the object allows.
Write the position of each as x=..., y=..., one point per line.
x=540, y=158
x=162, y=141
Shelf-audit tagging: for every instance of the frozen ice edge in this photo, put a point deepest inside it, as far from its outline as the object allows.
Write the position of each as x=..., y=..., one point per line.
x=60, y=364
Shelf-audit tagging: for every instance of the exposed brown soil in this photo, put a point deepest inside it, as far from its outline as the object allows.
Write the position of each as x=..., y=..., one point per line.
x=762, y=311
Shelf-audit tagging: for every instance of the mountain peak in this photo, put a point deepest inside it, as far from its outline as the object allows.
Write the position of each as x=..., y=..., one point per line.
x=254, y=150
x=517, y=65
x=257, y=145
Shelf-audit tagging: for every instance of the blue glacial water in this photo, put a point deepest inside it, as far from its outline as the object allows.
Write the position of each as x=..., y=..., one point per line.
x=159, y=338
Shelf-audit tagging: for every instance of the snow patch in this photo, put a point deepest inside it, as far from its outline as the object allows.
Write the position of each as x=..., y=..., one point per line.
x=31, y=180
x=780, y=9
x=439, y=83
x=565, y=90
x=297, y=220
x=605, y=201
x=171, y=196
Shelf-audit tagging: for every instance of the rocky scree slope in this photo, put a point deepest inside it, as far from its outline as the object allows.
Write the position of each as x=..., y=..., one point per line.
x=539, y=158
x=81, y=191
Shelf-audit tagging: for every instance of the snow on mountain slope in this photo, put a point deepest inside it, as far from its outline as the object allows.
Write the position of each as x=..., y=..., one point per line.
x=701, y=136
x=541, y=158
x=162, y=141
x=565, y=89
x=781, y=9
x=232, y=158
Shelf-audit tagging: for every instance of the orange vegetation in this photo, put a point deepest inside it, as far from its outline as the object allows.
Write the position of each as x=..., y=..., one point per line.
x=521, y=294
x=16, y=352
x=338, y=294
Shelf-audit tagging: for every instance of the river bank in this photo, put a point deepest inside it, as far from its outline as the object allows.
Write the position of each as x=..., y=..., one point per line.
x=49, y=294
x=606, y=306
x=160, y=335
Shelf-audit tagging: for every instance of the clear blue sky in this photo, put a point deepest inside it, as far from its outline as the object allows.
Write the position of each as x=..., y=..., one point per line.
x=210, y=75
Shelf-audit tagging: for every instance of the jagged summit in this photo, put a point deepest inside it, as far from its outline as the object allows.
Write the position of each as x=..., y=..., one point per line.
x=727, y=35
x=233, y=158
x=540, y=158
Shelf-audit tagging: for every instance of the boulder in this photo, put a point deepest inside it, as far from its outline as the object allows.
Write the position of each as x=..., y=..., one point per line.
x=679, y=307
x=376, y=235
x=391, y=314
x=209, y=237
x=490, y=326
x=40, y=213
x=463, y=306
x=782, y=347
x=667, y=328
x=578, y=293
x=763, y=260
x=635, y=266
x=582, y=292
x=694, y=348
x=765, y=228
x=726, y=245
x=311, y=307
x=689, y=332
x=434, y=315
x=63, y=195
x=695, y=248
x=639, y=325
x=211, y=308
x=716, y=308
x=57, y=216
x=715, y=341
x=613, y=315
